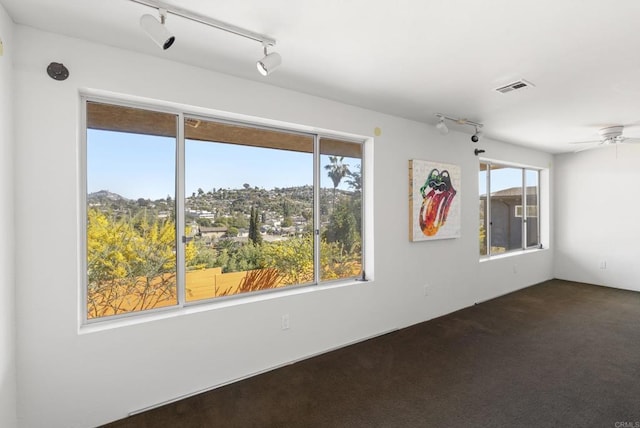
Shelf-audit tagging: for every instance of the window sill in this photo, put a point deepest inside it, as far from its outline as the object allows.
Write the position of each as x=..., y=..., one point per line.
x=206, y=306
x=511, y=254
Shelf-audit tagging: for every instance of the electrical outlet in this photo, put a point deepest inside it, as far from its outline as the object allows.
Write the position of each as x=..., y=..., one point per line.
x=285, y=322
x=515, y=268
x=603, y=264
x=426, y=290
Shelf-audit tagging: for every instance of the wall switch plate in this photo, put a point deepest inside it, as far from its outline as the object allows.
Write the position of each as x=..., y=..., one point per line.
x=285, y=322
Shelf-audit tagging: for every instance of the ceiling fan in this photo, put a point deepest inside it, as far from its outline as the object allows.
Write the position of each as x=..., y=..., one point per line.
x=608, y=136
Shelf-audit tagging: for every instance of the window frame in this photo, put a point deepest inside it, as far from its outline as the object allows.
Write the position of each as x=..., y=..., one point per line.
x=183, y=113
x=526, y=218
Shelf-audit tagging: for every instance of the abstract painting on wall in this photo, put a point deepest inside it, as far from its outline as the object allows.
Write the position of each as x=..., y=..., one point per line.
x=434, y=200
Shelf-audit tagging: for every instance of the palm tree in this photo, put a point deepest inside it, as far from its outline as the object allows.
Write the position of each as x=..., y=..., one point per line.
x=355, y=179
x=337, y=171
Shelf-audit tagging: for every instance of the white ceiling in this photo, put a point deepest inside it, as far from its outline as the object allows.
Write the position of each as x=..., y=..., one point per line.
x=410, y=58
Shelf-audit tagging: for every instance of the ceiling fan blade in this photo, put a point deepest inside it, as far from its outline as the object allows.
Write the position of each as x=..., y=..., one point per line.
x=586, y=142
x=631, y=141
x=585, y=148
x=593, y=145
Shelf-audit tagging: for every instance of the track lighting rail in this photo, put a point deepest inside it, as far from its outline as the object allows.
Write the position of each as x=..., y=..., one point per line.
x=441, y=126
x=230, y=28
x=459, y=121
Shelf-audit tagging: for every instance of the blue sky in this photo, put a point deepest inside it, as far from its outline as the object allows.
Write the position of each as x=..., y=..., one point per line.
x=505, y=178
x=143, y=166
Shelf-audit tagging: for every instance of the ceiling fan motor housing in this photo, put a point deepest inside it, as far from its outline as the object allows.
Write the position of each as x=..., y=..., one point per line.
x=611, y=133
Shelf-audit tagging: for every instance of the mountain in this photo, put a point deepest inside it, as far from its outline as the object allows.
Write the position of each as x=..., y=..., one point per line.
x=105, y=194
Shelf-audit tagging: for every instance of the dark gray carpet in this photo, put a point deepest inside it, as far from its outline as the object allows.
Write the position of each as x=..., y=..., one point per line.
x=558, y=354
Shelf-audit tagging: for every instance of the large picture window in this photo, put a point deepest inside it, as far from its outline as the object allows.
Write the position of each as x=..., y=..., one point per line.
x=183, y=209
x=509, y=202
x=130, y=210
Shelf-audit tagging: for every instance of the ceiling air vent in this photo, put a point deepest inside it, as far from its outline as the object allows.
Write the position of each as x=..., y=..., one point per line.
x=519, y=84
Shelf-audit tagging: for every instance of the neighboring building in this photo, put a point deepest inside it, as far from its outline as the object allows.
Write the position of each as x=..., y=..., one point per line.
x=212, y=234
x=506, y=212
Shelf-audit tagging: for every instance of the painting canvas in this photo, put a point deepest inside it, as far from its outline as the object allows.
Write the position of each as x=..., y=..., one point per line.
x=434, y=200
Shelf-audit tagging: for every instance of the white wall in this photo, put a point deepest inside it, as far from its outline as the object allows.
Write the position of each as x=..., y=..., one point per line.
x=7, y=280
x=67, y=379
x=597, y=209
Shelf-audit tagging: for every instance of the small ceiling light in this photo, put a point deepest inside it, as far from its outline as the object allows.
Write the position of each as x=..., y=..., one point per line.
x=442, y=127
x=270, y=62
x=476, y=137
x=156, y=30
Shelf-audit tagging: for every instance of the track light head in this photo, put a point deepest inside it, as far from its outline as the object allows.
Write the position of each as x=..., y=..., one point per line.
x=270, y=62
x=157, y=31
x=442, y=127
x=476, y=137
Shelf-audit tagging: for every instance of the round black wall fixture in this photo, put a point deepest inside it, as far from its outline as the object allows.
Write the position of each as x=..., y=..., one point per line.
x=57, y=71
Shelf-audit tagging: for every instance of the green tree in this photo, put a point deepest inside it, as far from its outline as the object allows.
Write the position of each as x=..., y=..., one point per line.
x=226, y=244
x=354, y=179
x=203, y=222
x=286, y=209
x=342, y=227
x=248, y=257
x=203, y=257
x=292, y=258
x=335, y=263
x=239, y=221
x=337, y=170
x=221, y=222
x=355, y=182
x=254, y=227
